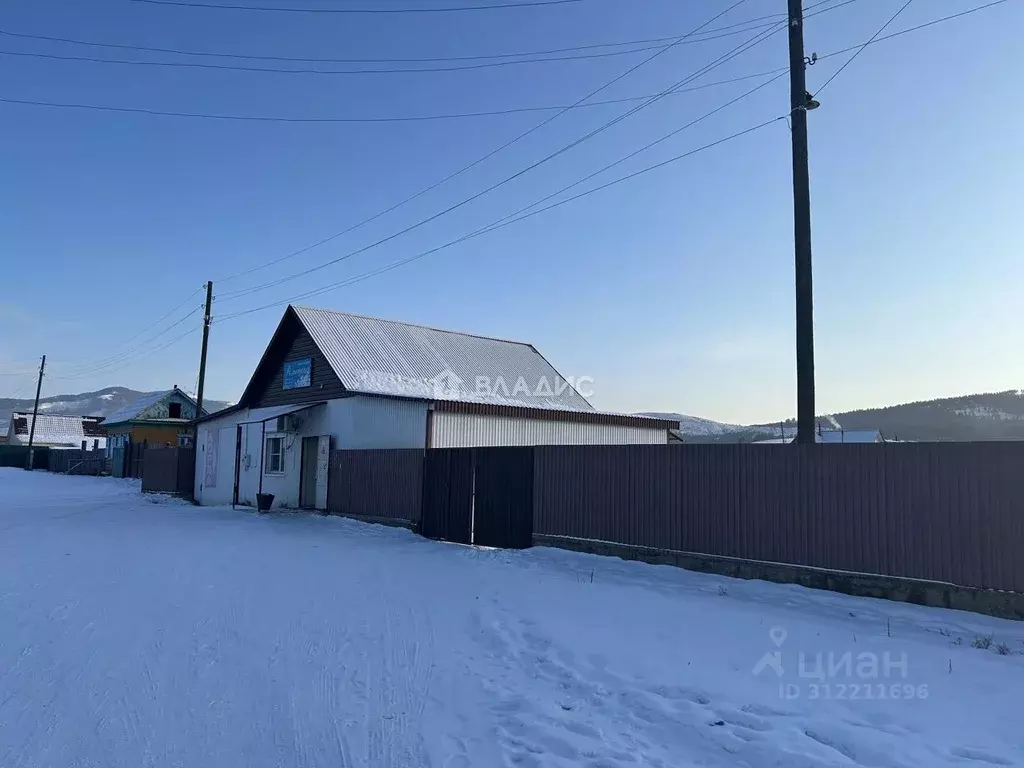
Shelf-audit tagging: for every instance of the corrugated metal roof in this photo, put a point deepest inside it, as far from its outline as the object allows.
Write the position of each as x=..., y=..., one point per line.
x=54, y=429
x=134, y=408
x=383, y=357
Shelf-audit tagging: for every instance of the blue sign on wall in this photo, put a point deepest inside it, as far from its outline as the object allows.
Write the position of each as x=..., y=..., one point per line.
x=298, y=374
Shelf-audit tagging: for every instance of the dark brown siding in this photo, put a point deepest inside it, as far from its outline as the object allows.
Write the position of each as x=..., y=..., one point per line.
x=291, y=342
x=551, y=414
x=383, y=485
x=950, y=512
x=169, y=470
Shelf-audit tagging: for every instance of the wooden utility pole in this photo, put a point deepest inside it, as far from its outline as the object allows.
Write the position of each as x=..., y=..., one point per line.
x=800, y=101
x=202, y=358
x=35, y=413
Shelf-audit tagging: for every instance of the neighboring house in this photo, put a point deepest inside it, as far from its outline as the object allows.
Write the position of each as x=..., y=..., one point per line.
x=335, y=380
x=849, y=436
x=57, y=431
x=159, y=418
x=833, y=437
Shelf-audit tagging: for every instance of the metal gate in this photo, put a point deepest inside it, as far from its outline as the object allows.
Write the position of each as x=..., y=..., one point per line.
x=448, y=495
x=503, y=495
x=479, y=496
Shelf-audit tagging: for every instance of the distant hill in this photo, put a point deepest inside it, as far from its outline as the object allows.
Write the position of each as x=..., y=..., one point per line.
x=103, y=402
x=987, y=416
x=696, y=426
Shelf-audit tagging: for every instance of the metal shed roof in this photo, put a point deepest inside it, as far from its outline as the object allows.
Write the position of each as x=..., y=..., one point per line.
x=383, y=357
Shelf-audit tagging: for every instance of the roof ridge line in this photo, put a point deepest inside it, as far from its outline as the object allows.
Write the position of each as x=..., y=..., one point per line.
x=417, y=325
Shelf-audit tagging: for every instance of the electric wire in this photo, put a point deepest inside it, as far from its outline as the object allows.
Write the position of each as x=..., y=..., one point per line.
x=426, y=9
x=382, y=119
x=121, y=364
x=410, y=60
x=493, y=227
x=99, y=365
x=743, y=47
x=526, y=213
x=468, y=166
x=517, y=58
x=865, y=45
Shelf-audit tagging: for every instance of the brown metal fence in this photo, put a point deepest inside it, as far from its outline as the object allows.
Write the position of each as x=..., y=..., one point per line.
x=128, y=459
x=169, y=470
x=384, y=485
x=951, y=512
x=135, y=459
x=78, y=462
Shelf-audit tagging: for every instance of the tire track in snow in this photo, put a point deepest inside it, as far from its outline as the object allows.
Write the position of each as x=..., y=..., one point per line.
x=400, y=681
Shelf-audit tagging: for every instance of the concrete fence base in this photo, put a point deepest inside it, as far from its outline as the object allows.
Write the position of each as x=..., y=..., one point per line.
x=1005, y=605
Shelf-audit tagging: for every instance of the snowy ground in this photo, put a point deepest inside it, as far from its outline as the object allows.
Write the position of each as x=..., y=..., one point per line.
x=158, y=634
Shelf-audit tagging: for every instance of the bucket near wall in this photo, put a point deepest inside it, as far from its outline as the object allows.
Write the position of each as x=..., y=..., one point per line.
x=264, y=501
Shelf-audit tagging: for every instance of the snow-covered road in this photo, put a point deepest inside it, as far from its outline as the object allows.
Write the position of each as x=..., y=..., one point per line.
x=137, y=634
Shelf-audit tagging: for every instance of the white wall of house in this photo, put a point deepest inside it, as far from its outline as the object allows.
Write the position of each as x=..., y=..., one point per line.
x=465, y=430
x=369, y=422
x=377, y=422
x=352, y=422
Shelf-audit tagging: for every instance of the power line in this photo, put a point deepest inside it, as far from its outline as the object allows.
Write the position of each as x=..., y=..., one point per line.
x=860, y=50
x=275, y=70
x=743, y=47
x=127, y=354
x=474, y=163
x=90, y=366
x=149, y=327
x=121, y=364
x=278, y=9
x=382, y=119
x=170, y=312
x=721, y=60
x=644, y=148
x=537, y=57
x=23, y=387
x=727, y=31
x=499, y=225
x=355, y=226
x=926, y=24
x=525, y=212
x=448, y=9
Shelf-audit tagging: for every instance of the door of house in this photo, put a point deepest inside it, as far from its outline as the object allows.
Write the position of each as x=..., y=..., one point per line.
x=307, y=481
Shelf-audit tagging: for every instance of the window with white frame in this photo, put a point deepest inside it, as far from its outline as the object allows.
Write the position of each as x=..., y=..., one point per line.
x=274, y=452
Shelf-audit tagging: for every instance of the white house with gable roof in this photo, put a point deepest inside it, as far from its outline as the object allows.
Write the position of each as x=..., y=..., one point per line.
x=337, y=380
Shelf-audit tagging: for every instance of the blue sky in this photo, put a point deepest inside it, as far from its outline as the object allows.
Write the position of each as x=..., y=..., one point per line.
x=673, y=291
